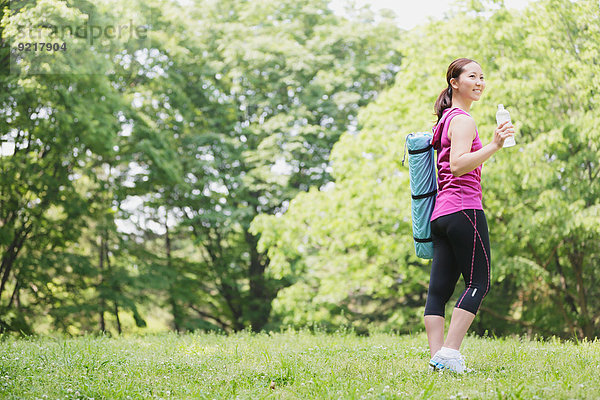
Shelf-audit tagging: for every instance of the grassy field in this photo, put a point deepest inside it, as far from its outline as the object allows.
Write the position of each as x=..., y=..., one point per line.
x=291, y=365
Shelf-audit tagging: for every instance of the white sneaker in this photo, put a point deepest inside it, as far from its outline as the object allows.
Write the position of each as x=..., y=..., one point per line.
x=452, y=364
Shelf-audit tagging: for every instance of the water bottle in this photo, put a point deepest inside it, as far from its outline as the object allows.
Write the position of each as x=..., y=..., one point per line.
x=501, y=116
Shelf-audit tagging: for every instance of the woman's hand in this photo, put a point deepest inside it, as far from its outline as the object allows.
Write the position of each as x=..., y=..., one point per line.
x=502, y=132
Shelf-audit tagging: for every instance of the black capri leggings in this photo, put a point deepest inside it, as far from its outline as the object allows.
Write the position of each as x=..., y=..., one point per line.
x=461, y=245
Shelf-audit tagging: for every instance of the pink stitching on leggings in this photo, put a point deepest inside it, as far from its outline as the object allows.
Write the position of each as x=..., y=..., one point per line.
x=475, y=233
x=484, y=252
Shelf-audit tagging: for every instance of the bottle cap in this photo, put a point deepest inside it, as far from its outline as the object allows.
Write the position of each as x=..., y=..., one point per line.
x=500, y=106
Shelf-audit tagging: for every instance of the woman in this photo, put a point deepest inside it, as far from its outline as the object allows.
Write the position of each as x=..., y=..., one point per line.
x=458, y=223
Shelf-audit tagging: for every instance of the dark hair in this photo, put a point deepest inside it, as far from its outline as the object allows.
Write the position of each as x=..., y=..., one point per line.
x=444, y=100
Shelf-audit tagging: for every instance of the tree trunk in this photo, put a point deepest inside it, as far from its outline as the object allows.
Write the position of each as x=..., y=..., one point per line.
x=114, y=287
x=9, y=257
x=172, y=300
x=576, y=259
x=260, y=294
x=229, y=291
x=7, y=263
x=100, y=286
x=14, y=294
x=117, y=316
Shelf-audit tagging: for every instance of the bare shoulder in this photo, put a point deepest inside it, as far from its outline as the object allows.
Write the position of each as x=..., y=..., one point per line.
x=463, y=125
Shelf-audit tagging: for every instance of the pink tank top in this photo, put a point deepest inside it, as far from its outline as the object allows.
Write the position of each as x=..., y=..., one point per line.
x=455, y=193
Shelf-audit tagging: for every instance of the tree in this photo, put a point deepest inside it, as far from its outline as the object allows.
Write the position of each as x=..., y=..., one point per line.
x=261, y=128
x=62, y=117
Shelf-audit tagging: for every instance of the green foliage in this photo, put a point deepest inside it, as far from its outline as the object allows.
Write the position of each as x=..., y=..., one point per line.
x=191, y=126
x=43, y=210
x=261, y=129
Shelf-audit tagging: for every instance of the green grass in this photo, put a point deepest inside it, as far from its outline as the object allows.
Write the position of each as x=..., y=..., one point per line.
x=300, y=365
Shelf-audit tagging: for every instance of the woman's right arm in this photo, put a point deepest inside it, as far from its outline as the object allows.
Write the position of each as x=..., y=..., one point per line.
x=461, y=133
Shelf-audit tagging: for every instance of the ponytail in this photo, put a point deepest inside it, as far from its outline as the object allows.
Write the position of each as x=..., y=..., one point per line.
x=444, y=100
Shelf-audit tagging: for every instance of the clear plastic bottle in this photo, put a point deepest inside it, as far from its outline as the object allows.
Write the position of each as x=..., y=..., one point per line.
x=501, y=116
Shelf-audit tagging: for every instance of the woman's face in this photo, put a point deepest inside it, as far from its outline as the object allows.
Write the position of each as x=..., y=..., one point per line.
x=470, y=83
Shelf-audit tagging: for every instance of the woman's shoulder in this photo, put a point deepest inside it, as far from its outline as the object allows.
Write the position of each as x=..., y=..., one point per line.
x=463, y=120
x=462, y=123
